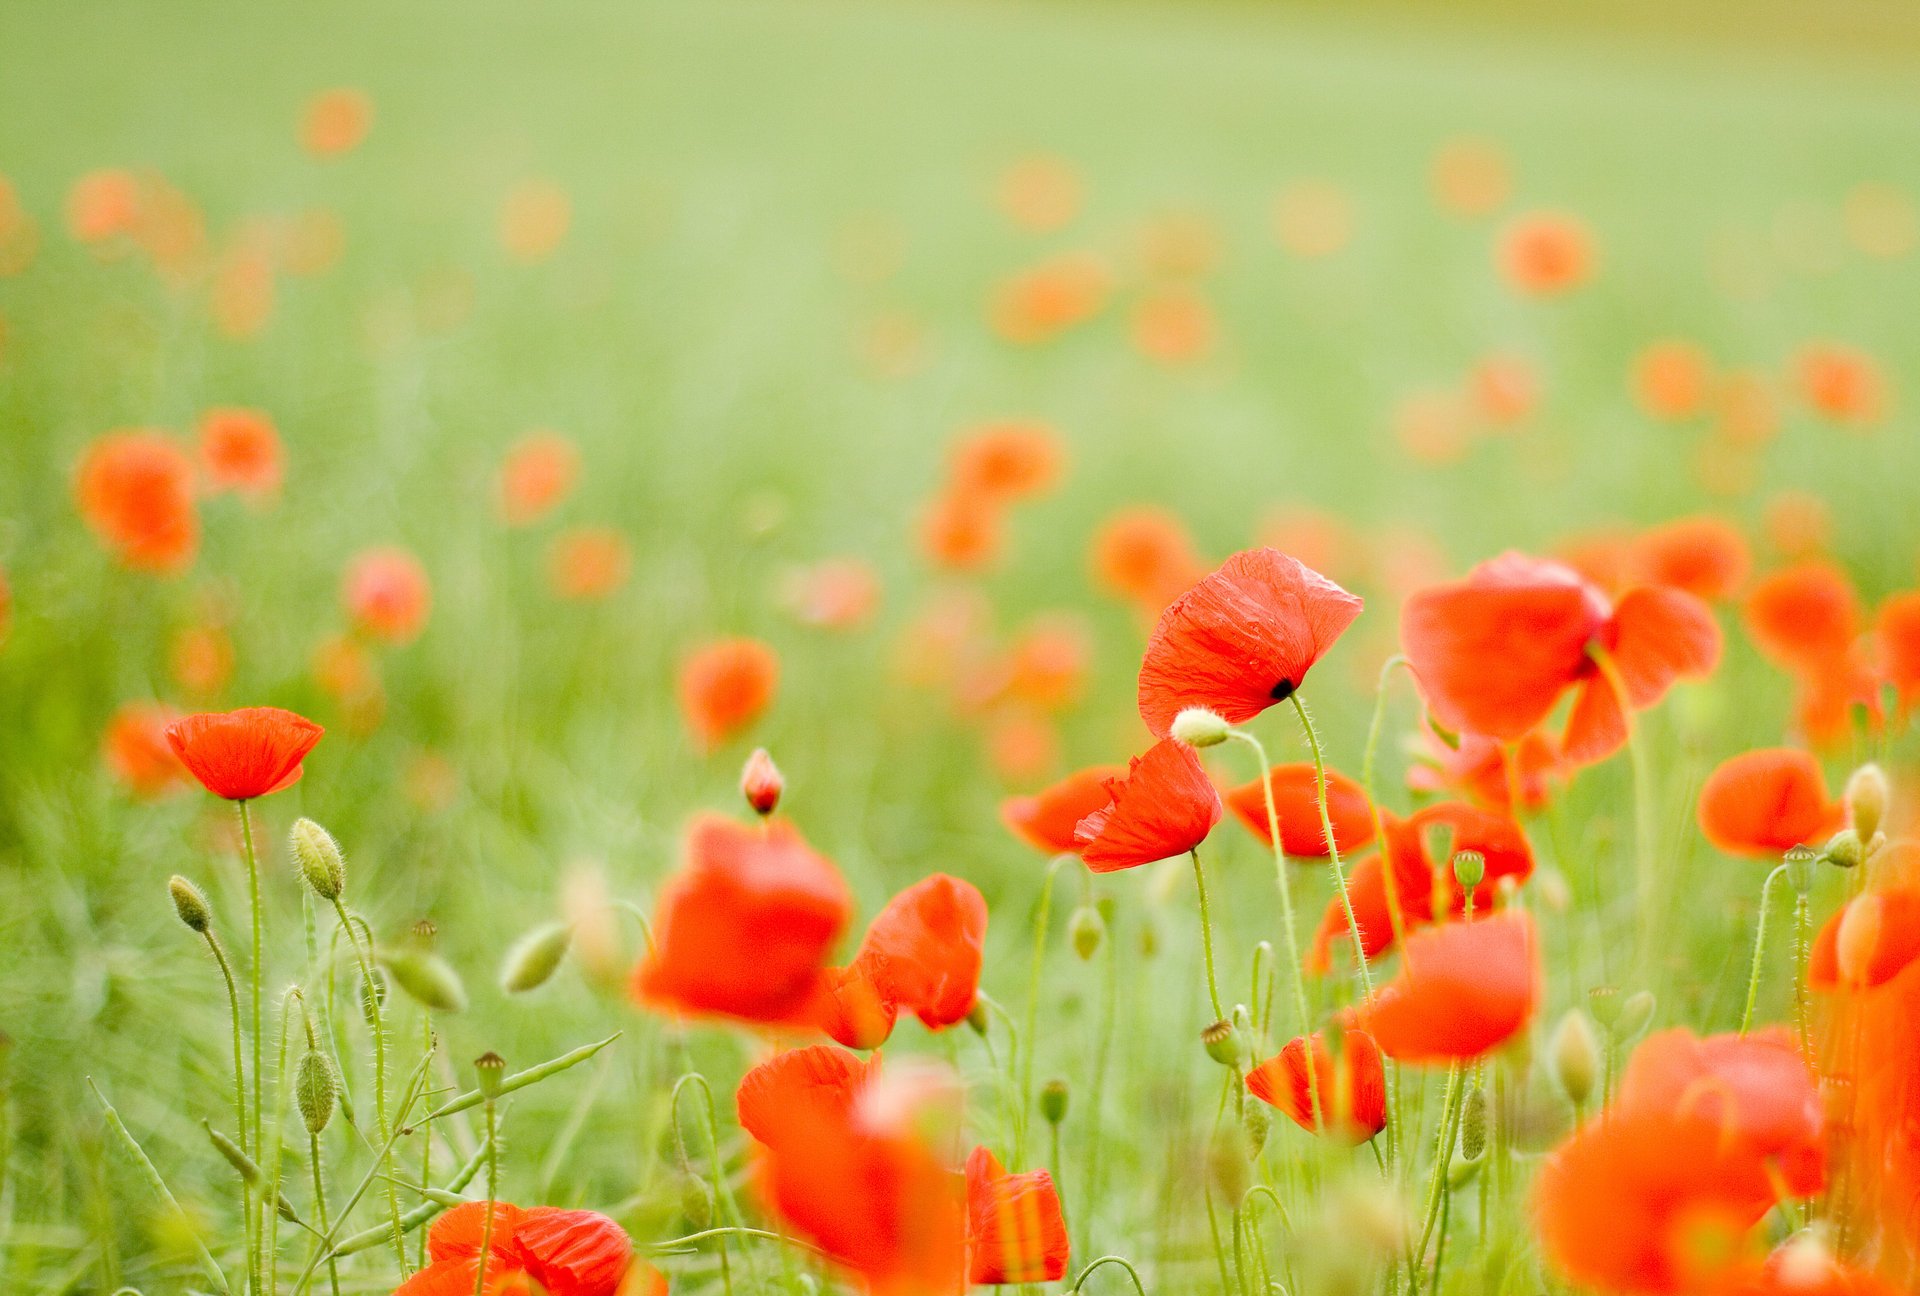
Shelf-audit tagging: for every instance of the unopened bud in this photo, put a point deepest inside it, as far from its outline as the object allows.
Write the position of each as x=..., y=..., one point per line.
x=190, y=903
x=1844, y=850
x=1085, y=930
x=319, y=858
x=1574, y=1057
x=1053, y=1101
x=1469, y=868
x=489, y=1070
x=315, y=1087
x=1635, y=1014
x=761, y=783
x=1866, y=797
x=1473, y=1124
x=535, y=957
x=1222, y=1043
x=977, y=1017
x=426, y=979
x=1256, y=1122
x=696, y=1202
x=1228, y=1164
x=1199, y=727
x=1604, y=1003
x=249, y=1171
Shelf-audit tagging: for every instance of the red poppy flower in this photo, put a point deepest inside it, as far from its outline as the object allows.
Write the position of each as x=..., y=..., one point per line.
x=387, y=594
x=819, y=1077
x=1165, y=805
x=1495, y=652
x=744, y=928
x=1705, y=556
x=725, y=686
x=1046, y=820
x=536, y=477
x=1872, y=939
x=1296, y=803
x=244, y=754
x=1897, y=632
x=1006, y=461
x=1477, y=768
x=1144, y=555
x=1464, y=989
x=136, y=750
x=1765, y=802
x=135, y=489
x=1016, y=1232
x=1805, y=616
x=565, y=1252
x=1242, y=639
x=240, y=451
x=920, y=955
x=1349, y=1094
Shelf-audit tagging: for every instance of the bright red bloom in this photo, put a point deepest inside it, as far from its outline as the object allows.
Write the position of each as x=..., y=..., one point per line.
x=1705, y=556
x=1046, y=820
x=1350, y=1095
x=135, y=489
x=1296, y=803
x=1464, y=989
x=565, y=1252
x=1869, y=941
x=1477, y=768
x=819, y=1078
x=1897, y=634
x=387, y=594
x=1242, y=639
x=725, y=686
x=1016, y=1232
x=921, y=955
x=240, y=451
x=744, y=928
x=1765, y=802
x=1805, y=616
x=244, y=754
x=1165, y=805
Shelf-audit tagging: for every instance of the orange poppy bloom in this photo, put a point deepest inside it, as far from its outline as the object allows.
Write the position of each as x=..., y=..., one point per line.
x=386, y=593
x=1016, y=1232
x=1897, y=635
x=1477, y=768
x=136, y=750
x=537, y=475
x=1464, y=989
x=1804, y=617
x=1242, y=639
x=103, y=205
x=1349, y=1094
x=1843, y=384
x=244, y=754
x=135, y=490
x=240, y=451
x=1765, y=802
x=921, y=955
x=1296, y=803
x=725, y=686
x=961, y=530
x=1040, y=193
x=744, y=928
x=1046, y=820
x=818, y=1077
x=590, y=562
x=1705, y=556
x=1470, y=177
x=1672, y=380
x=1546, y=253
x=559, y=1252
x=1872, y=939
x=1504, y=388
x=1164, y=805
x=534, y=220
x=1038, y=304
x=1495, y=652
x=1144, y=555
x=1174, y=326
x=1007, y=460
x=335, y=121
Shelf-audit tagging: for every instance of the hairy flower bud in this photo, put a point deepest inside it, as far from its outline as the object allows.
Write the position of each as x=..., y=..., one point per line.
x=1256, y=1122
x=426, y=979
x=1473, y=1124
x=1866, y=798
x=1844, y=850
x=248, y=1169
x=190, y=903
x=1199, y=727
x=1574, y=1057
x=1053, y=1101
x=319, y=858
x=315, y=1086
x=535, y=957
x=761, y=782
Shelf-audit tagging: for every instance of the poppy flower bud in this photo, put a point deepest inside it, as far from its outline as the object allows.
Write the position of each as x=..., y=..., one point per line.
x=190, y=903
x=535, y=957
x=1256, y=1122
x=1473, y=1124
x=426, y=978
x=1844, y=850
x=761, y=782
x=1199, y=727
x=1574, y=1057
x=1635, y=1014
x=696, y=1202
x=1222, y=1043
x=319, y=858
x=1228, y=1164
x=240, y=1161
x=1053, y=1101
x=1866, y=798
x=1085, y=930
x=314, y=1089
x=978, y=1018
x=1469, y=867
x=1799, y=862
x=489, y=1069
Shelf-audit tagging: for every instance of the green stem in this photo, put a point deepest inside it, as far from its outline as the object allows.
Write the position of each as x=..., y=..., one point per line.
x=1333, y=847
x=1206, y=936
x=1029, y=1029
x=1645, y=845
x=1138, y=1287
x=320, y=1208
x=722, y=1195
x=241, y=1130
x=1450, y=1113
x=382, y=1124
x=493, y=1196
x=255, y=1223
x=1759, y=946
x=207, y=1263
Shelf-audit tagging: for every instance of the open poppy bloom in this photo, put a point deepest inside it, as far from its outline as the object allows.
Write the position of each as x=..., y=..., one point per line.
x=819, y=1077
x=920, y=955
x=1144, y=555
x=564, y=1252
x=1348, y=1094
x=1869, y=941
x=387, y=594
x=1296, y=803
x=745, y=927
x=1494, y=653
x=1705, y=556
x=1465, y=989
x=240, y=451
x=1165, y=805
x=1765, y=802
x=1897, y=636
x=1478, y=768
x=1805, y=616
x=135, y=490
x=1016, y=1232
x=1242, y=639
x=725, y=686
x=1046, y=819
x=136, y=749
x=244, y=754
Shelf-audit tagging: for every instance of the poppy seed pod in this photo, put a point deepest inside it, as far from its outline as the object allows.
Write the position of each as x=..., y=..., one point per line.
x=1574, y=1057
x=1469, y=868
x=1222, y=1043
x=424, y=932
x=761, y=782
x=1800, y=861
x=489, y=1070
x=1604, y=1003
x=1053, y=1101
x=1866, y=798
x=189, y=903
x=1085, y=930
x=319, y=858
x=426, y=978
x=535, y=957
x=1199, y=727
x=314, y=1088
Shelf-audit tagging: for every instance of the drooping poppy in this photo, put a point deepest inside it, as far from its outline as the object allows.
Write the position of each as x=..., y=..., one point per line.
x=1242, y=639
x=818, y=1076
x=564, y=1252
x=1165, y=805
x=1767, y=801
x=1705, y=556
x=387, y=594
x=1296, y=803
x=536, y=476
x=1870, y=940
x=1348, y=1095
x=135, y=490
x=240, y=451
x=1145, y=556
x=1016, y=1232
x=244, y=754
x=726, y=685
x=745, y=927
x=136, y=750
x=921, y=955
x=1047, y=819
x=1464, y=989
x=1546, y=253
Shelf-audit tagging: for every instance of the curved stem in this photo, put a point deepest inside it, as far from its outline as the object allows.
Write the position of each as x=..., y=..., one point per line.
x=320, y=1208
x=722, y=1196
x=1333, y=846
x=1442, y=1157
x=239, y=1078
x=1206, y=936
x=1759, y=945
x=1138, y=1287
x=1396, y=916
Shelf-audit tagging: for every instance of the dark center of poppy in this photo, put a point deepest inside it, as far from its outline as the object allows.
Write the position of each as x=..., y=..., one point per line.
x=1282, y=691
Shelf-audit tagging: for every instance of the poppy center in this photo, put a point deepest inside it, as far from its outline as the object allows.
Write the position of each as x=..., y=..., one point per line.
x=1282, y=691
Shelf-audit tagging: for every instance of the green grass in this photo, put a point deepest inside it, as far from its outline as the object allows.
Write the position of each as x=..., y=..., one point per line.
x=695, y=336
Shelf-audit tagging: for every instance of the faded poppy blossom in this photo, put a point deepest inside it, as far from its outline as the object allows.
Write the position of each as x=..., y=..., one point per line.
x=1296, y=803
x=1765, y=802
x=1706, y=556
x=563, y=1252
x=1546, y=253
x=135, y=490
x=726, y=685
x=1242, y=639
x=536, y=476
x=1040, y=193
x=240, y=451
x=1346, y=1095
x=1470, y=177
x=1313, y=218
x=1174, y=326
x=1047, y=819
x=1008, y=460
x=336, y=121
x=135, y=749
x=1842, y=383
x=1504, y=389
x=1495, y=652
x=1165, y=805
x=590, y=562
x=1464, y=989
x=921, y=955
x=1038, y=304
x=240, y=755
x=387, y=595
x=1144, y=555
x=745, y=926
x=1016, y=1232
x=1804, y=617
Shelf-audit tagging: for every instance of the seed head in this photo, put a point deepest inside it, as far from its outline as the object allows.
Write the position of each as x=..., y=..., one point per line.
x=489, y=1070
x=1469, y=868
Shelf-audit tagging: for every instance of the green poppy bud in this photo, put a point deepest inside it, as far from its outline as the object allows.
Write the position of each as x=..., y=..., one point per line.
x=426, y=979
x=535, y=957
x=319, y=858
x=190, y=903
x=315, y=1086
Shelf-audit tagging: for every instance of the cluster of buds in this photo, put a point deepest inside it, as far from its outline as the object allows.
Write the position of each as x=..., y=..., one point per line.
x=1866, y=802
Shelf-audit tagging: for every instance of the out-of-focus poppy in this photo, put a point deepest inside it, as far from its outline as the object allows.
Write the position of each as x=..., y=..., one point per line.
x=1296, y=803
x=1242, y=639
x=960, y=530
x=1869, y=941
x=1433, y=426
x=386, y=594
x=1797, y=523
x=1008, y=460
x=1174, y=326
x=534, y=219
x=1896, y=632
x=1705, y=556
x=1804, y=617
x=200, y=658
x=240, y=451
x=1320, y=539
x=1546, y=253
x=1803, y=1266
x=136, y=750
x=1765, y=802
x=1470, y=177
x=1016, y=1232
x=1842, y=383
x=1046, y=665
x=1672, y=379
x=832, y=594
x=1047, y=819
x=1040, y=193
x=1165, y=805
x=1348, y=1095
x=1022, y=745
x=1604, y=556
x=536, y=476
x=819, y=1077
x=1477, y=767
x=1144, y=555
x=244, y=754
x=1038, y=304
x=242, y=296
x=1881, y=220
x=1179, y=245
x=135, y=489
x=561, y=1252
x=725, y=686
x=1504, y=389
x=921, y=955
x=103, y=205
x=746, y=925
x=1464, y=989
x=336, y=121
x=589, y=562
